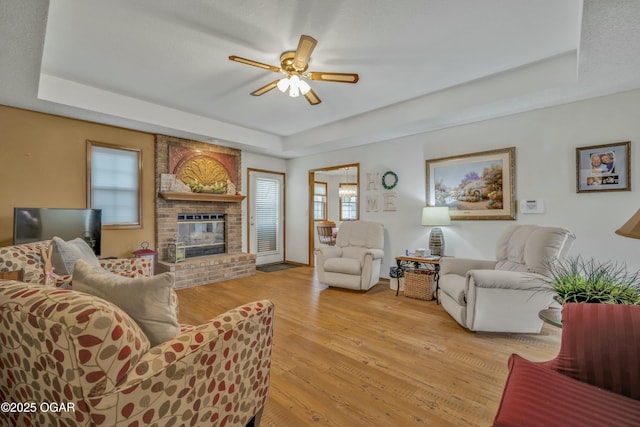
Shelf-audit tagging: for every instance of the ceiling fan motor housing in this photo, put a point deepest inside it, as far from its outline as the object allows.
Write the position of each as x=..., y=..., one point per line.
x=286, y=62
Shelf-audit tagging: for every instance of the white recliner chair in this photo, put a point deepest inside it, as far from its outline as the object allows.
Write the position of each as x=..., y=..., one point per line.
x=355, y=260
x=504, y=295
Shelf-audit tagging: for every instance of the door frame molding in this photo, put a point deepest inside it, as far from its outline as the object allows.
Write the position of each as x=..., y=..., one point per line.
x=284, y=208
x=311, y=224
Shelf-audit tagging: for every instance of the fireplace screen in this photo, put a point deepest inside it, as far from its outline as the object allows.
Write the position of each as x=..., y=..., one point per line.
x=199, y=235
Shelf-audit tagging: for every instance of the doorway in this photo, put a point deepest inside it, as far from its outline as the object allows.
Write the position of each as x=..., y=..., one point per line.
x=325, y=203
x=266, y=216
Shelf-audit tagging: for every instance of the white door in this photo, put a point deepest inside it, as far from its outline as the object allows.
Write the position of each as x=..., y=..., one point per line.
x=266, y=217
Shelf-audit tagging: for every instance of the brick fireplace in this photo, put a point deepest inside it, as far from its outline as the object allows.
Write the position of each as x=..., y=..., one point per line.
x=199, y=270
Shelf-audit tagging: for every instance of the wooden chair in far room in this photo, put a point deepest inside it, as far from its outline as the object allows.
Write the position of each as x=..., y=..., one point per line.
x=325, y=233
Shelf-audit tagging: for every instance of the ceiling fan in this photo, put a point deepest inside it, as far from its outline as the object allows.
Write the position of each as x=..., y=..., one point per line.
x=294, y=64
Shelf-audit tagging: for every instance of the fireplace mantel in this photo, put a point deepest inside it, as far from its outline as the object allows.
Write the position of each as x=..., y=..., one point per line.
x=201, y=197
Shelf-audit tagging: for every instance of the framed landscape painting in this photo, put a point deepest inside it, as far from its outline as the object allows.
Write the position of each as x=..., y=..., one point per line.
x=603, y=168
x=474, y=186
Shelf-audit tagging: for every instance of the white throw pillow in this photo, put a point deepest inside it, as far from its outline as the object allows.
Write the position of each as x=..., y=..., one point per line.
x=65, y=255
x=149, y=301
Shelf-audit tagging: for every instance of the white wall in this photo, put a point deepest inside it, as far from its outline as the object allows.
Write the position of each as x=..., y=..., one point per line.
x=545, y=142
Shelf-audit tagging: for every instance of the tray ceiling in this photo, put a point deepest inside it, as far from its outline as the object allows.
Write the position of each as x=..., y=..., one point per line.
x=158, y=66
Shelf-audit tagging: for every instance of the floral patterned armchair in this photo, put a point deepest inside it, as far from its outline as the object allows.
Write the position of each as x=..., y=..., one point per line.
x=29, y=257
x=80, y=353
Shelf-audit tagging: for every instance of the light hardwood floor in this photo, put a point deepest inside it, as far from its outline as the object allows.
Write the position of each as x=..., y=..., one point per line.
x=343, y=358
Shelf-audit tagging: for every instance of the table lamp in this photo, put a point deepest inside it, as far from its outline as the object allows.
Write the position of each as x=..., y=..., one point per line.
x=433, y=216
x=631, y=228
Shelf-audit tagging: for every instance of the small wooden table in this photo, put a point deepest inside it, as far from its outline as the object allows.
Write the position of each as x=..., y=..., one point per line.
x=431, y=263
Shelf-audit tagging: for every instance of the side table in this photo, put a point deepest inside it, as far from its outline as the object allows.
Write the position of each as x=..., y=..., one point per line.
x=430, y=263
x=552, y=316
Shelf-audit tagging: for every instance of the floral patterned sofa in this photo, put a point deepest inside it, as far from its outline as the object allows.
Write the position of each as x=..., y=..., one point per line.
x=71, y=359
x=29, y=257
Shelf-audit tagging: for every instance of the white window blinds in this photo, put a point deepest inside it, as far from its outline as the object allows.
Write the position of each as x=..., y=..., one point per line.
x=115, y=186
x=267, y=214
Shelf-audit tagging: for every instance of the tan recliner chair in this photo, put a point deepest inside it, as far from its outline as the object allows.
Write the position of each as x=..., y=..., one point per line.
x=504, y=295
x=355, y=260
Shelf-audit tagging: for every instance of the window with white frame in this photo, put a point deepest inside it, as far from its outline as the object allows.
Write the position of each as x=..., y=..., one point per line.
x=114, y=184
x=319, y=201
x=348, y=195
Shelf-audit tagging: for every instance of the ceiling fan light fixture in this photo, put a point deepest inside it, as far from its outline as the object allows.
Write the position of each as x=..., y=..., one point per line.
x=304, y=87
x=283, y=84
x=294, y=86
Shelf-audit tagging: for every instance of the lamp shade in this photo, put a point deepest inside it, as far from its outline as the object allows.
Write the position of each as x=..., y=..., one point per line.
x=435, y=215
x=631, y=228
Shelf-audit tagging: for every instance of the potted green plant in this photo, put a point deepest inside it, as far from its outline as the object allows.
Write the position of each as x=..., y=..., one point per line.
x=592, y=281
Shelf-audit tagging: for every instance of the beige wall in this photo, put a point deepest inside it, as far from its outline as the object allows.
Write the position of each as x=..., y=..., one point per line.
x=43, y=164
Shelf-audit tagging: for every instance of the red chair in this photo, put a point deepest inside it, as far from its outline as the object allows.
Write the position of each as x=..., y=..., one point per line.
x=593, y=381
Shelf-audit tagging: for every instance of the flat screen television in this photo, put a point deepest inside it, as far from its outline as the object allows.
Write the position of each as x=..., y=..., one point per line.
x=35, y=224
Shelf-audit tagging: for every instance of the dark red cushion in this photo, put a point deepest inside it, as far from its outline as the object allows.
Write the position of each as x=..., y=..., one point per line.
x=538, y=396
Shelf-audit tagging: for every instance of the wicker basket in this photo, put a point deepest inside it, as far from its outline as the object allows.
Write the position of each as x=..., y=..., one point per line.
x=419, y=284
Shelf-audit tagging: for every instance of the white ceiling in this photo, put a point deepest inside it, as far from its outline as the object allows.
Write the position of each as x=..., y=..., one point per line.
x=162, y=65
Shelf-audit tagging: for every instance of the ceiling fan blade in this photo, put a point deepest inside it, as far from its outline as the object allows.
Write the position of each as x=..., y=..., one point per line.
x=266, y=88
x=303, y=52
x=312, y=97
x=334, y=77
x=254, y=63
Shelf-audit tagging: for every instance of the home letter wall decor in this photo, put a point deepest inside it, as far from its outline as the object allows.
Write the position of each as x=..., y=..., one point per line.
x=372, y=203
x=388, y=198
x=389, y=201
x=372, y=181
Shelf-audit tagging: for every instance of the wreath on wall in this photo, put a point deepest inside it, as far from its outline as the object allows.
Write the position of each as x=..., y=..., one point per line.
x=391, y=176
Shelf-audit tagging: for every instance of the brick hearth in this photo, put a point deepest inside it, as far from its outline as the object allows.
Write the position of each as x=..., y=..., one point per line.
x=206, y=269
